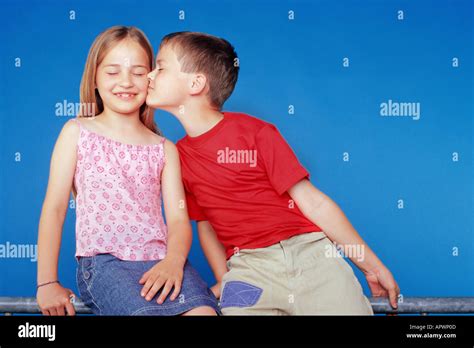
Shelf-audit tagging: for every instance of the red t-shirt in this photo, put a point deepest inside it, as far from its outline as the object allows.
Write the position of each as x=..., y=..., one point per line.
x=236, y=176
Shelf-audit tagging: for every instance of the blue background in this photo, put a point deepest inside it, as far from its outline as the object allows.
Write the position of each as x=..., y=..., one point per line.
x=283, y=62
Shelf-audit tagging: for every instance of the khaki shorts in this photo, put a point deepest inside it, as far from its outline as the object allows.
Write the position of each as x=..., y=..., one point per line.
x=292, y=277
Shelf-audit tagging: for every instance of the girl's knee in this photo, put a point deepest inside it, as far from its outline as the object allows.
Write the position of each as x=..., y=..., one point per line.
x=202, y=310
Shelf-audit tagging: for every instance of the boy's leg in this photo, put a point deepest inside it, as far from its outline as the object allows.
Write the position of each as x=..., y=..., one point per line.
x=255, y=283
x=323, y=282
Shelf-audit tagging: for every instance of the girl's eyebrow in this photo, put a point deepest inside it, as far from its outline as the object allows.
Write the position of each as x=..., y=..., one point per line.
x=133, y=66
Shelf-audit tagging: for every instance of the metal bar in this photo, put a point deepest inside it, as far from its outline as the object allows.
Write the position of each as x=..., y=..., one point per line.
x=29, y=305
x=379, y=305
x=425, y=305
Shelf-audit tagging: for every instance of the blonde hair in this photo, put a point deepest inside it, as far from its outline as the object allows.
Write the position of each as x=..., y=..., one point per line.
x=89, y=95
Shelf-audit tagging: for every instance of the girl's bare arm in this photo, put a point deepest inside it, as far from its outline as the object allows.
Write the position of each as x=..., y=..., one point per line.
x=53, y=299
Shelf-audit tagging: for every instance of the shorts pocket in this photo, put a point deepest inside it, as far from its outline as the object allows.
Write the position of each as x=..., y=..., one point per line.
x=239, y=294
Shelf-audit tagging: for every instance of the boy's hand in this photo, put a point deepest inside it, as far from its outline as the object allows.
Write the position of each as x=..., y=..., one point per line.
x=167, y=273
x=53, y=299
x=216, y=290
x=382, y=283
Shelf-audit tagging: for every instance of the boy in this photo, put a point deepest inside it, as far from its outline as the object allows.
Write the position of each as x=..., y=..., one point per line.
x=266, y=231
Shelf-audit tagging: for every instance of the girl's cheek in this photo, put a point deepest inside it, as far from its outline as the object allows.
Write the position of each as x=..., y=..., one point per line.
x=142, y=83
x=105, y=81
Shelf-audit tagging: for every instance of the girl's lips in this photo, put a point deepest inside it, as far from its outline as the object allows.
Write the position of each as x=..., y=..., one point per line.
x=125, y=96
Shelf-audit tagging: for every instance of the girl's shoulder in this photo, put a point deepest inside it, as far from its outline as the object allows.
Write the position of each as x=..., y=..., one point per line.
x=154, y=138
x=170, y=151
x=67, y=139
x=168, y=145
x=71, y=128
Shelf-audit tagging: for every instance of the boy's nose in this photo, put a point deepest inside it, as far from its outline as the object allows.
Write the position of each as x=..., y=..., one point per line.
x=151, y=75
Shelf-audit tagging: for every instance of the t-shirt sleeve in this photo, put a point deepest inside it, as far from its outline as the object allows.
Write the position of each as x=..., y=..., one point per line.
x=283, y=168
x=194, y=210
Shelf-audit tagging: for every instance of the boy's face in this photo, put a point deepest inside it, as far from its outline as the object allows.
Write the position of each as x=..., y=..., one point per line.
x=168, y=85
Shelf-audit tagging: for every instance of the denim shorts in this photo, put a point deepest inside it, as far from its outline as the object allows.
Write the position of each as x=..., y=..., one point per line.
x=109, y=286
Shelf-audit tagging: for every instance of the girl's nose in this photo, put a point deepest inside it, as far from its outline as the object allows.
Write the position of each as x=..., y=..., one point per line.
x=126, y=80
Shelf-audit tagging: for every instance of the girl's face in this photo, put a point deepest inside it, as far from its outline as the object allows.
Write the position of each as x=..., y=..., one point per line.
x=121, y=77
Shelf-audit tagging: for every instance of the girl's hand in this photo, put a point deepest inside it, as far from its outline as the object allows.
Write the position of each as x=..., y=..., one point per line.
x=53, y=299
x=166, y=274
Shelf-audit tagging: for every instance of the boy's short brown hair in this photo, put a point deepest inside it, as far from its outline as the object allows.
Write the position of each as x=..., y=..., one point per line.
x=210, y=55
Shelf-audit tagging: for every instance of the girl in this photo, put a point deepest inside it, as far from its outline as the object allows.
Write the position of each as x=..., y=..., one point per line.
x=118, y=165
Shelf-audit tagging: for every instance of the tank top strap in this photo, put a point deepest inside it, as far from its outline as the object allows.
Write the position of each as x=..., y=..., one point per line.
x=163, y=154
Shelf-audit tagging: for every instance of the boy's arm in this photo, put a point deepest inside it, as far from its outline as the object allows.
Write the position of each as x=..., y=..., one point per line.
x=325, y=213
x=214, y=252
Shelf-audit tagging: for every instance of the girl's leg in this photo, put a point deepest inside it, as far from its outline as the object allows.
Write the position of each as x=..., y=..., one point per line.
x=202, y=310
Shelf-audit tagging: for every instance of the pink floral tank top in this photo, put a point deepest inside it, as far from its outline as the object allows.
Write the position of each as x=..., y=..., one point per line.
x=118, y=202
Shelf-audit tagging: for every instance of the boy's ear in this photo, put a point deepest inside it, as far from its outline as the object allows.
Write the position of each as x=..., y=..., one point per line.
x=197, y=84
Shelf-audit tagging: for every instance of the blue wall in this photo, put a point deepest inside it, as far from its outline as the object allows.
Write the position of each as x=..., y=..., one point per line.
x=365, y=161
